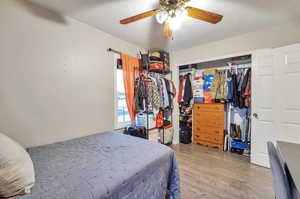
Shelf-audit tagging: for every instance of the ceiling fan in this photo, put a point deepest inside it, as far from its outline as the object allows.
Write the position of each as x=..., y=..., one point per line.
x=171, y=12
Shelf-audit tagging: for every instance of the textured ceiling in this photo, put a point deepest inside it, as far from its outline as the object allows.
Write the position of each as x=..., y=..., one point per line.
x=240, y=16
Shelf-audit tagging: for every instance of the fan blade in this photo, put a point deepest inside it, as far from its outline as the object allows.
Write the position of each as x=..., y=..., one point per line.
x=167, y=30
x=204, y=15
x=138, y=17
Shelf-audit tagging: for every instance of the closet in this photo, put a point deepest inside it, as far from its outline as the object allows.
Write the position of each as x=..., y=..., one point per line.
x=218, y=105
x=273, y=113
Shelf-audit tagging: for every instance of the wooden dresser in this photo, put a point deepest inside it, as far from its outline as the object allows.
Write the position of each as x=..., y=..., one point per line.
x=208, y=125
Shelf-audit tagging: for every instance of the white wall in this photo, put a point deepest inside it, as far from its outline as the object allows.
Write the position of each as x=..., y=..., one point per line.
x=272, y=37
x=56, y=77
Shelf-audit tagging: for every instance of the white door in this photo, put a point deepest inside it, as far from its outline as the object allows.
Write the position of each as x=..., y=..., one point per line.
x=262, y=105
x=287, y=63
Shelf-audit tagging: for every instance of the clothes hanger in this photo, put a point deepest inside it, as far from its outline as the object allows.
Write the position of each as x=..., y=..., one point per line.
x=232, y=68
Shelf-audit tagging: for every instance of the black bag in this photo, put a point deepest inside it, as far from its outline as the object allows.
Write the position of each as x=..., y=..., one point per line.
x=185, y=135
x=136, y=131
x=145, y=60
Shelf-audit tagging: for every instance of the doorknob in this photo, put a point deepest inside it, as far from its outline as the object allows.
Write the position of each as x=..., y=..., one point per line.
x=255, y=115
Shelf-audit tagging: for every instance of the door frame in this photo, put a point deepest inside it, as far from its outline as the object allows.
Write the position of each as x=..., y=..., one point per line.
x=175, y=71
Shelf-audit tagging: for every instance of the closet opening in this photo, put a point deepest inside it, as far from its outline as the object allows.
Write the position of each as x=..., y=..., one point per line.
x=215, y=104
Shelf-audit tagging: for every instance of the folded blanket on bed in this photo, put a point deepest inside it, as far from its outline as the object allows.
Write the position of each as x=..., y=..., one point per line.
x=106, y=165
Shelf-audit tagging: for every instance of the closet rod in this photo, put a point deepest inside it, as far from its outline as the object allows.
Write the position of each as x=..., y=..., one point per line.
x=246, y=66
x=115, y=51
x=239, y=66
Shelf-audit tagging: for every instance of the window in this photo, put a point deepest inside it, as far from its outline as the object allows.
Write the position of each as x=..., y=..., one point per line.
x=122, y=117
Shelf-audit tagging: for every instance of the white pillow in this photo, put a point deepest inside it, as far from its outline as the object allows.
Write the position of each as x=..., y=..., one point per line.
x=16, y=168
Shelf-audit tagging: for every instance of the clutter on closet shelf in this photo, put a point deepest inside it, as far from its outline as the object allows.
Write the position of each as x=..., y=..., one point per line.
x=230, y=85
x=154, y=95
x=185, y=96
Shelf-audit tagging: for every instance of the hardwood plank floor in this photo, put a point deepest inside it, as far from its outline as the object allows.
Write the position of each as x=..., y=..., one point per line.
x=209, y=173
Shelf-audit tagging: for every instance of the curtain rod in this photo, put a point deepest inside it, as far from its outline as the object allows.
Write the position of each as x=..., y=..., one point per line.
x=115, y=51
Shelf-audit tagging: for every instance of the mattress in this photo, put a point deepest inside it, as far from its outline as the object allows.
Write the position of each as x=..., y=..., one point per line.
x=105, y=165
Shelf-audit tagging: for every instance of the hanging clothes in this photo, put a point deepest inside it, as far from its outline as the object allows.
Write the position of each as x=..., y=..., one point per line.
x=140, y=94
x=168, y=88
x=159, y=86
x=239, y=120
x=232, y=87
x=245, y=80
x=155, y=94
x=241, y=87
x=225, y=85
x=218, y=91
x=241, y=77
x=188, y=92
x=172, y=92
x=165, y=94
x=180, y=91
x=235, y=96
x=247, y=90
x=229, y=86
x=239, y=115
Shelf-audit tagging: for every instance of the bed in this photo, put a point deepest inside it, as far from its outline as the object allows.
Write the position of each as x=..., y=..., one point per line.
x=105, y=165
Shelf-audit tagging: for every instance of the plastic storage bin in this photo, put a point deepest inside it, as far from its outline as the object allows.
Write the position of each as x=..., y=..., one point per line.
x=141, y=120
x=238, y=145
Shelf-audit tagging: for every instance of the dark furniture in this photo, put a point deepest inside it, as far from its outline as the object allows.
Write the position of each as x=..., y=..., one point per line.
x=281, y=183
x=290, y=153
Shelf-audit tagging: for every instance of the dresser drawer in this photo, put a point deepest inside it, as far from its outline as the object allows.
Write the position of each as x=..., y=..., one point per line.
x=217, y=121
x=212, y=135
x=209, y=114
x=208, y=130
x=209, y=107
x=210, y=138
x=209, y=144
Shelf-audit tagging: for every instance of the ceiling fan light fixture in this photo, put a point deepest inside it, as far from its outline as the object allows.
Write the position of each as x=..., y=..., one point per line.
x=172, y=13
x=181, y=12
x=162, y=16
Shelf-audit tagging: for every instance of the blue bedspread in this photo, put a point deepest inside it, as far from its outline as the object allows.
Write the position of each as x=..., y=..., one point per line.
x=106, y=165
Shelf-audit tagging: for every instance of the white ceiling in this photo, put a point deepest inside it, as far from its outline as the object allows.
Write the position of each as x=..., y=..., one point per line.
x=240, y=16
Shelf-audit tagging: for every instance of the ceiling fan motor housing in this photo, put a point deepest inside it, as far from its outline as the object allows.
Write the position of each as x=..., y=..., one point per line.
x=169, y=5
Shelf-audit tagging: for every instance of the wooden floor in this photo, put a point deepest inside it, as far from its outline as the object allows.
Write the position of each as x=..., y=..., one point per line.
x=209, y=173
